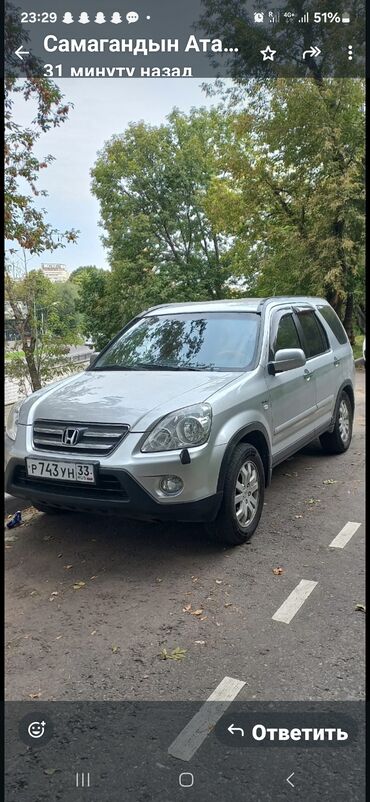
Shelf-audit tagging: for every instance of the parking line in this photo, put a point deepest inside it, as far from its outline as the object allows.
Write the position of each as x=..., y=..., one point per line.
x=197, y=729
x=294, y=602
x=345, y=534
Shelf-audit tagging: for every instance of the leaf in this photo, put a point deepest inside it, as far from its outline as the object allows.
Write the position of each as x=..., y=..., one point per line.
x=228, y=604
x=176, y=654
x=50, y=772
x=35, y=695
x=115, y=649
x=312, y=501
x=218, y=581
x=79, y=585
x=201, y=642
x=329, y=482
x=277, y=571
x=68, y=567
x=58, y=637
x=93, y=632
x=361, y=607
x=187, y=608
x=298, y=516
x=196, y=612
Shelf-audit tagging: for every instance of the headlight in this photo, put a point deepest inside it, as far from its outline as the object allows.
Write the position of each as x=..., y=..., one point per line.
x=12, y=422
x=181, y=429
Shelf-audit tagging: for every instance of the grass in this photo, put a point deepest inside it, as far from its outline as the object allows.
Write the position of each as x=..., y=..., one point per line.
x=357, y=347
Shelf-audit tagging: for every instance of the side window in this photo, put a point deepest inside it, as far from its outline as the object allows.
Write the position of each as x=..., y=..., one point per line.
x=286, y=335
x=332, y=319
x=315, y=338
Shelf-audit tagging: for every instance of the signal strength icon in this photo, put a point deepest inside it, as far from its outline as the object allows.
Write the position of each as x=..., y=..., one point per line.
x=305, y=18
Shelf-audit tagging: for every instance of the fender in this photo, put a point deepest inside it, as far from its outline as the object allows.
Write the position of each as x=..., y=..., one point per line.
x=236, y=438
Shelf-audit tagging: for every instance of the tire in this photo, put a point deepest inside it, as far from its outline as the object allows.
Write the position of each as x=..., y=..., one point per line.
x=339, y=440
x=245, y=464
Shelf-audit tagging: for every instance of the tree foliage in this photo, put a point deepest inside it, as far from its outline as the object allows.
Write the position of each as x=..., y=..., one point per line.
x=262, y=196
x=46, y=324
x=152, y=184
x=293, y=196
x=25, y=221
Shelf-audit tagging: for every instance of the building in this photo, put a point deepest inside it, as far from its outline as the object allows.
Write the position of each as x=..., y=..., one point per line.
x=55, y=272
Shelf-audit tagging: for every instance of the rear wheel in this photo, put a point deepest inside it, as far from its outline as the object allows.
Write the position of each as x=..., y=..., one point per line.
x=337, y=441
x=243, y=497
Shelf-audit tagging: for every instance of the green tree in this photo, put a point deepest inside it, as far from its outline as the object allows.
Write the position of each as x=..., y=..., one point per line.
x=95, y=303
x=76, y=275
x=293, y=191
x=25, y=221
x=152, y=185
x=45, y=326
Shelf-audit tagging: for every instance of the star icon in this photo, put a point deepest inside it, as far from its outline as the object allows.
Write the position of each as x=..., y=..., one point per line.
x=268, y=54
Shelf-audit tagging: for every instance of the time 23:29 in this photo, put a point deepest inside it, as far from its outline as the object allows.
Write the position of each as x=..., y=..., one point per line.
x=43, y=16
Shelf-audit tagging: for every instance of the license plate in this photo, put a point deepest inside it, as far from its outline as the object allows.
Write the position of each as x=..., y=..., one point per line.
x=61, y=471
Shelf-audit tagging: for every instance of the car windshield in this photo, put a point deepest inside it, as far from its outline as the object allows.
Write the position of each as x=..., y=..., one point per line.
x=204, y=341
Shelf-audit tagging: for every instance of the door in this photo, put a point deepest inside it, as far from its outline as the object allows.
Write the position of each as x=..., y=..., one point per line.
x=321, y=361
x=292, y=393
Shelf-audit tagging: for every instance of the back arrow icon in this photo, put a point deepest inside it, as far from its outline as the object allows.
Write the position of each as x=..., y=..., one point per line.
x=232, y=729
x=20, y=53
x=313, y=52
x=288, y=779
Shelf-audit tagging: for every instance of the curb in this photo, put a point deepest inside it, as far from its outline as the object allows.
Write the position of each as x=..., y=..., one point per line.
x=12, y=504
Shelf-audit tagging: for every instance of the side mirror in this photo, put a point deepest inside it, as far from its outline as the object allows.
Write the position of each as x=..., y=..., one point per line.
x=287, y=359
x=93, y=359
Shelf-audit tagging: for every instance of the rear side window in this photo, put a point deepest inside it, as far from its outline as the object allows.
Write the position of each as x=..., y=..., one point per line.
x=287, y=335
x=332, y=319
x=314, y=335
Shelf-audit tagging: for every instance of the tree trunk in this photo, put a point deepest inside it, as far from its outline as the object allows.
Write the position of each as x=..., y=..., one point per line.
x=31, y=365
x=348, y=318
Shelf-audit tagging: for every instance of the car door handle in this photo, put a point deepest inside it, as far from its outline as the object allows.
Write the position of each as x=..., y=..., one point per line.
x=307, y=375
x=336, y=362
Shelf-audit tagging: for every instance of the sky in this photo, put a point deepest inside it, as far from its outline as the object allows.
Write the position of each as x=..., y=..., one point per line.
x=102, y=107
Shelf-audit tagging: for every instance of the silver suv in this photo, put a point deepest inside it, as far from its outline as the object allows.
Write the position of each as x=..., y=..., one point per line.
x=186, y=412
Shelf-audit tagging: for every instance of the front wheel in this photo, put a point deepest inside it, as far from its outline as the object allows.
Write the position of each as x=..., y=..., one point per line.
x=337, y=441
x=243, y=496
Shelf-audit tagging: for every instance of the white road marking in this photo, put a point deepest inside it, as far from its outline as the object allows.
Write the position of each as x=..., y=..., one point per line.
x=294, y=602
x=197, y=729
x=345, y=534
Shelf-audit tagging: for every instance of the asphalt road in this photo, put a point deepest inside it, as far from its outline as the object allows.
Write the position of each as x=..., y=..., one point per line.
x=103, y=639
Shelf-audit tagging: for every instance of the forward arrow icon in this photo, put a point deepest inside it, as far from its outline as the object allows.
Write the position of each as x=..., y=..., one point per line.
x=313, y=52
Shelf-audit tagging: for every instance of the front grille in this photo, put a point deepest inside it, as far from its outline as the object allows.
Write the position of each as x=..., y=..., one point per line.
x=106, y=487
x=93, y=438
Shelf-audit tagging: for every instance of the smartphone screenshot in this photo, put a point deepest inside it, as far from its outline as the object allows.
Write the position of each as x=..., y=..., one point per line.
x=185, y=362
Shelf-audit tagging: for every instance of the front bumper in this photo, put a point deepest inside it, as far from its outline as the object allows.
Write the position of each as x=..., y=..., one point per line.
x=116, y=492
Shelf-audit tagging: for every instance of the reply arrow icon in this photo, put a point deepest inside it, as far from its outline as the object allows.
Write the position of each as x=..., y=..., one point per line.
x=233, y=729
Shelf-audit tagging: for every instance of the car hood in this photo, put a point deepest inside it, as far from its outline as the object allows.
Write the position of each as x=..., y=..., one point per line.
x=136, y=398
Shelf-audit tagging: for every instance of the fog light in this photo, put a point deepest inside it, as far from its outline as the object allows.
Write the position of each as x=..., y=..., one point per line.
x=171, y=485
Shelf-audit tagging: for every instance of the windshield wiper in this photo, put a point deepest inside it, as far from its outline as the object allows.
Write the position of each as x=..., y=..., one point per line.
x=152, y=366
